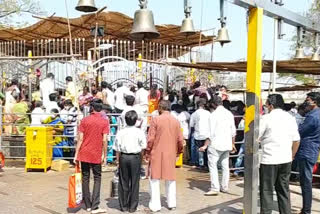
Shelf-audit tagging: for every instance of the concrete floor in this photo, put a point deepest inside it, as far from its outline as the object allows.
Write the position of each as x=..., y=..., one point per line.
x=36, y=192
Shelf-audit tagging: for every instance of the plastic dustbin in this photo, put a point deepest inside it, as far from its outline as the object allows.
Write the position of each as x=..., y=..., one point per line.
x=39, y=148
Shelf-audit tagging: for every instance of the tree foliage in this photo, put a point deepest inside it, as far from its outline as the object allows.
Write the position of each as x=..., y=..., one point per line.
x=11, y=11
x=313, y=14
x=308, y=43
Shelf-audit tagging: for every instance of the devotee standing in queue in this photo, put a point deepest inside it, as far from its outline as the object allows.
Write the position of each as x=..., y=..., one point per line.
x=165, y=144
x=142, y=98
x=52, y=104
x=308, y=152
x=91, y=152
x=20, y=115
x=47, y=88
x=104, y=92
x=142, y=104
x=110, y=96
x=119, y=96
x=220, y=144
x=71, y=89
x=71, y=124
x=37, y=114
x=200, y=124
x=129, y=107
x=129, y=144
x=11, y=95
x=84, y=101
x=279, y=138
x=153, y=99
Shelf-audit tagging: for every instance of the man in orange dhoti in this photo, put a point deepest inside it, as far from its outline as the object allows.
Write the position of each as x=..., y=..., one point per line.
x=165, y=144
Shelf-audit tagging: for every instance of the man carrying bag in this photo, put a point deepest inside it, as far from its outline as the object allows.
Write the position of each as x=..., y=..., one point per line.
x=91, y=152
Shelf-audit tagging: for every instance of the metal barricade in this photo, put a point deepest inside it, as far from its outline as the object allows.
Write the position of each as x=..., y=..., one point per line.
x=5, y=140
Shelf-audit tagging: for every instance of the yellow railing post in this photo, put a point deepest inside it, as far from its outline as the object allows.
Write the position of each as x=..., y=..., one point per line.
x=254, y=68
x=30, y=75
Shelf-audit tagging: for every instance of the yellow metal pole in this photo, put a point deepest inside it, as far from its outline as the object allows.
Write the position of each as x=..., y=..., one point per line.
x=254, y=67
x=30, y=75
x=140, y=62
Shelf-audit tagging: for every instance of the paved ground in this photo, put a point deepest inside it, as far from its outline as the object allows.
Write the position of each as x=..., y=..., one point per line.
x=34, y=192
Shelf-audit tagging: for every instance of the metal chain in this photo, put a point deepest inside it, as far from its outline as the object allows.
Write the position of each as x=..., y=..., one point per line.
x=143, y=4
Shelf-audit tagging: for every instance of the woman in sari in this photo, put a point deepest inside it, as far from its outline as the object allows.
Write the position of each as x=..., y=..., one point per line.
x=11, y=94
x=153, y=98
x=20, y=116
x=58, y=131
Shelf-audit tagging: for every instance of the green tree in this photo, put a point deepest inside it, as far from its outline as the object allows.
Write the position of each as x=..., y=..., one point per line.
x=314, y=14
x=11, y=11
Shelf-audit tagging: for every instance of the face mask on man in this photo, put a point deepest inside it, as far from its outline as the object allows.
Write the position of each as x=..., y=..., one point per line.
x=308, y=105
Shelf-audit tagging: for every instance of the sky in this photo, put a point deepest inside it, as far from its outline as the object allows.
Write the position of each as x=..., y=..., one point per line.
x=171, y=12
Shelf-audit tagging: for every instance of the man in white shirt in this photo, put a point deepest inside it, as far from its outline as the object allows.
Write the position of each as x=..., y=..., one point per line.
x=37, y=114
x=200, y=124
x=142, y=97
x=47, y=88
x=279, y=137
x=107, y=94
x=52, y=104
x=129, y=144
x=142, y=103
x=119, y=96
x=221, y=143
x=129, y=107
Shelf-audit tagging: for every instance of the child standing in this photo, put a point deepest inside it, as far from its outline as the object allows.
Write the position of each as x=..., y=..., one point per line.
x=129, y=144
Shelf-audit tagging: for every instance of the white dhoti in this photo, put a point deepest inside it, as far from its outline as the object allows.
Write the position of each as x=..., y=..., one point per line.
x=155, y=201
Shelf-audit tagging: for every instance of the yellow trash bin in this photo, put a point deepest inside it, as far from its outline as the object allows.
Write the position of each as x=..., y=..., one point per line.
x=39, y=148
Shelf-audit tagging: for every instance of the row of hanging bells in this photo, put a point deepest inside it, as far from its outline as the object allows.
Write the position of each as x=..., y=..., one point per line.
x=143, y=24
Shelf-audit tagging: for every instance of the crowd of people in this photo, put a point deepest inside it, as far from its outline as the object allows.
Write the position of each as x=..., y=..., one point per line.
x=130, y=125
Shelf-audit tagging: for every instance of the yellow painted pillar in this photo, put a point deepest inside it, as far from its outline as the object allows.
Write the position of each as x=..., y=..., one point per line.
x=30, y=75
x=254, y=68
x=140, y=62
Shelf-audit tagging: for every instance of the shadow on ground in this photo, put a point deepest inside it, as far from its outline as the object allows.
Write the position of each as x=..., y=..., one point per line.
x=144, y=198
x=223, y=208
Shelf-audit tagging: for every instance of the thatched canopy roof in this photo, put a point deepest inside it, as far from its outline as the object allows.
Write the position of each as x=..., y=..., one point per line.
x=305, y=66
x=117, y=26
x=284, y=89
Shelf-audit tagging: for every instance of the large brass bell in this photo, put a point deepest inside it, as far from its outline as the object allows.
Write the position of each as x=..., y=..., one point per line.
x=86, y=6
x=143, y=26
x=299, y=53
x=223, y=36
x=187, y=27
x=315, y=57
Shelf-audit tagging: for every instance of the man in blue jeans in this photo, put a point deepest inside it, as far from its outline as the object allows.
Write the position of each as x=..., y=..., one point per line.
x=308, y=152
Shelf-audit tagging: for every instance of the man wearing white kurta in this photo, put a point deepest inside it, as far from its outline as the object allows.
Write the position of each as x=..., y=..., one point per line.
x=142, y=103
x=119, y=95
x=165, y=144
x=47, y=88
x=142, y=97
x=222, y=142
